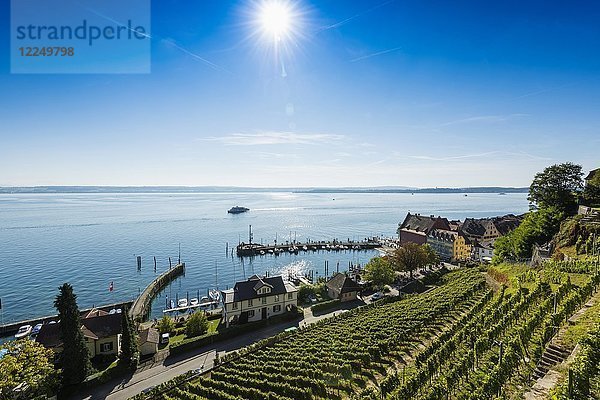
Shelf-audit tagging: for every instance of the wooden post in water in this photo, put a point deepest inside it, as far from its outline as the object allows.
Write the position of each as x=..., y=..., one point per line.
x=170, y=264
x=154, y=264
x=139, y=262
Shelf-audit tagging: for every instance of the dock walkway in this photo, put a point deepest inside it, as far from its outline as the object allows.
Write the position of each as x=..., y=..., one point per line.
x=254, y=249
x=141, y=305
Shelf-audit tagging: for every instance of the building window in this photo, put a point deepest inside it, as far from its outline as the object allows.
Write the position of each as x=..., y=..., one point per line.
x=264, y=300
x=250, y=313
x=290, y=296
x=277, y=308
x=104, y=347
x=234, y=306
x=250, y=303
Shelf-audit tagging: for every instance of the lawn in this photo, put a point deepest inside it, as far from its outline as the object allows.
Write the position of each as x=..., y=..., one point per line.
x=213, y=326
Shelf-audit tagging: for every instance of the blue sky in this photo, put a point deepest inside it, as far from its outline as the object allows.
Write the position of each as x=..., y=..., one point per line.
x=407, y=93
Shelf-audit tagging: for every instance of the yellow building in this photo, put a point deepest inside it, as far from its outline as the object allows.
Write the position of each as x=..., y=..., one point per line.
x=462, y=248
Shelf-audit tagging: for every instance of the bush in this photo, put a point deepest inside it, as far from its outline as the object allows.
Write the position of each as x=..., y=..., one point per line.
x=166, y=324
x=196, y=325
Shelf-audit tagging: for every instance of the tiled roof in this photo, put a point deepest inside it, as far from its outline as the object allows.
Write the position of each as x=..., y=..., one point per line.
x=343, y=284
x=421, y=223
x=246, y=290
x=149, y=335
x=473, y=227
x=592, y=174
x=94, y=327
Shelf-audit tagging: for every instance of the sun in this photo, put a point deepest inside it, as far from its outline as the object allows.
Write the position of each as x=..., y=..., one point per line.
x=275, y=19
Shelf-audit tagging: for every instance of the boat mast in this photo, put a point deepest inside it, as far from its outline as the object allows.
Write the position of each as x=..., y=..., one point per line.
x=250, y=234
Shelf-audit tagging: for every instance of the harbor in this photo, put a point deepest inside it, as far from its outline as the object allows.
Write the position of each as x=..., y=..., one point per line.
x=292, y=246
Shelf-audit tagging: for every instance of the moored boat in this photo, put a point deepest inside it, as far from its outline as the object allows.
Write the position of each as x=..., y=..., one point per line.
x=23, y=331
x=182, y=303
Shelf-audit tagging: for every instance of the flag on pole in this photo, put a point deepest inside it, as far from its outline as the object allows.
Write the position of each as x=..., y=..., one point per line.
x=110, y=287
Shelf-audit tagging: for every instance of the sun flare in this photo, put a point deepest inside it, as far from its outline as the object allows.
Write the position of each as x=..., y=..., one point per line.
x=275, y=19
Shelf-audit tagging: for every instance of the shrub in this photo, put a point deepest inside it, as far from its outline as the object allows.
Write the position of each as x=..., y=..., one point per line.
x=196, y=325
x=166, y=324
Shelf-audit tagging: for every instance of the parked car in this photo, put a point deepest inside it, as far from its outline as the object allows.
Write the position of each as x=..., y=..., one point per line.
x=377, y=296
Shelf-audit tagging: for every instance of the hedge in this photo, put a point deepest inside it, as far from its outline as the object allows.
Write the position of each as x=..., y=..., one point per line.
x=326, y=305
x=214, y=337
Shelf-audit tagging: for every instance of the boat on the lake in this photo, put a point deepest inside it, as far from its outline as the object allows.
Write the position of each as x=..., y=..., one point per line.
x=238, y=210
x=36, y=330
x=194, y=302
x=182, y=303
x=23, y=331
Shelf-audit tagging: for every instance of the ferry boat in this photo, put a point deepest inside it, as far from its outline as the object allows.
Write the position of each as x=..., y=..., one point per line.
x=237, y=210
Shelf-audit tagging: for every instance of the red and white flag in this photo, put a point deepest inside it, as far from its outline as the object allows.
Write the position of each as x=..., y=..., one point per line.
x=110, y=287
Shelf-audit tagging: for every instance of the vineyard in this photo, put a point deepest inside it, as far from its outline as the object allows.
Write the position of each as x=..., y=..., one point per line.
x=349, y=354
x=458, y=341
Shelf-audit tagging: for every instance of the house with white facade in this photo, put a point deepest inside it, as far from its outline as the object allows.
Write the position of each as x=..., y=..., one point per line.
x=258, y=298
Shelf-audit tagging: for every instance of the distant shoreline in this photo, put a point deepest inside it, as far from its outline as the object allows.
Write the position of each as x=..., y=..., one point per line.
x=233, y=189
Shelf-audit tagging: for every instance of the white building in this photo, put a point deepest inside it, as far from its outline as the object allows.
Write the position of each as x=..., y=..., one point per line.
x=258, y=298
x=483, y=252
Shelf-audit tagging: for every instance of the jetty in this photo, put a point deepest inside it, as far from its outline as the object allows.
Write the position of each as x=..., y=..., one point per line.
x=206, y=306
x=255, y=249
x=141, y=306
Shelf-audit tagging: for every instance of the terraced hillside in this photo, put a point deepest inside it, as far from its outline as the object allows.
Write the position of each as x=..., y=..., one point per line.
x=345, y=355
x=458, y=341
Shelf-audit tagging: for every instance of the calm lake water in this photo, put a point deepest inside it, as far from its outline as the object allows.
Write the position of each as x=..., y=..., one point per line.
x=90, y=240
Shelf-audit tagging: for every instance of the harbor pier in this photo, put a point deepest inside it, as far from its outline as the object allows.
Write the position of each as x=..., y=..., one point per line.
x=255, y=249
x=141, y=306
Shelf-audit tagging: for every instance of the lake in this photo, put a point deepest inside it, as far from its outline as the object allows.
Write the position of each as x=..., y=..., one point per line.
x=90, y=240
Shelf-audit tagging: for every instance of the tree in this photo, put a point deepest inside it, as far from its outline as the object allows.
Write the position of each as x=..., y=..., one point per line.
x=166, y=324
x=591, y=194
x=432, y=257
x=129, y=348
x=557, y=186
x=197, y=324
x=537, y=227
x=380, y=272
x=26, y=369
x=75, y=357
x=409, y=257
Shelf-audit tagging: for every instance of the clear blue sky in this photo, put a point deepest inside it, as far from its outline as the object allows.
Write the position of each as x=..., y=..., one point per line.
x=413, y=93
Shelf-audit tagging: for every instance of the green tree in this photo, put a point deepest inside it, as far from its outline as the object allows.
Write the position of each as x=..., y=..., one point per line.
x=557, y=186
x=129, y=347
x=380, y=272
x=537, y=227
x=75, y=357
x=591, y=194
x=432, y=257
x=166, y=324
x=27, y=367
x=409, y=257
x=196, y=325
x=305, y=291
